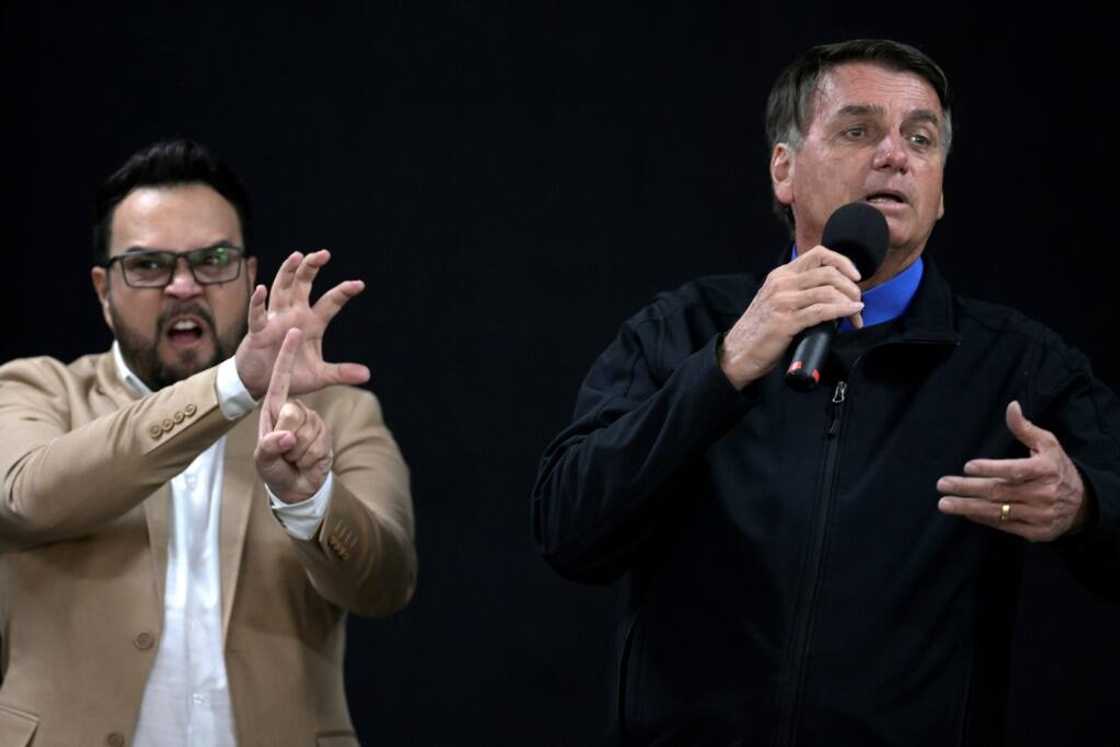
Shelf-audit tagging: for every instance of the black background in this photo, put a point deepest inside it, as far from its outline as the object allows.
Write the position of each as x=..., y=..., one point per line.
x=512, y=180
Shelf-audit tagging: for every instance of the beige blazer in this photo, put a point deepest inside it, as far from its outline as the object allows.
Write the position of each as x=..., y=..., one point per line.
x=83, y=554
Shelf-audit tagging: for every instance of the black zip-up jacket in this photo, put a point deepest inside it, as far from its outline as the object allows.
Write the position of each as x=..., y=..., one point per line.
x=788, y=577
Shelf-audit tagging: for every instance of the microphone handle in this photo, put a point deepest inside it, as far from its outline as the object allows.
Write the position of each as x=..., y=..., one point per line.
x=810, y=350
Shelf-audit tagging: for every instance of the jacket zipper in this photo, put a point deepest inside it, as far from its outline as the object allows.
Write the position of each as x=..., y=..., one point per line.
x=808, y=598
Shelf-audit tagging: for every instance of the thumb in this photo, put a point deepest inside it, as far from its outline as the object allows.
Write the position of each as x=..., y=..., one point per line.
x=1027, y=433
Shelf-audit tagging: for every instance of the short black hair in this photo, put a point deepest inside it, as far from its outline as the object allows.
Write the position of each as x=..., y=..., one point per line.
x=172, y=162
x=789, y=107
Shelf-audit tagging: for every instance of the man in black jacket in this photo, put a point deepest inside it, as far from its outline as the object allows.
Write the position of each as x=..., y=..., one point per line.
x=839, y=566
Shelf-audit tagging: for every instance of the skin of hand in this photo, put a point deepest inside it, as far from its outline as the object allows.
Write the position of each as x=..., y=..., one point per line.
x=293, y=454
x=1044, y=492
x=820, y=285
x=289, y=307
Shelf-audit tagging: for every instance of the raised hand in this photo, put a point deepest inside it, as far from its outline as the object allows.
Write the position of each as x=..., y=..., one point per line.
x=818, y=286
x=293, y=454
x=289, y=307
x=1039, y=498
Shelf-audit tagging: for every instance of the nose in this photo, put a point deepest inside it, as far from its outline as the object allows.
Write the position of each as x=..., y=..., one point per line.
x=891, y=153
x=183, y=284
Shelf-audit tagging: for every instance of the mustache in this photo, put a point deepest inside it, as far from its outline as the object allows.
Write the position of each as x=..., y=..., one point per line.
x=163, y=321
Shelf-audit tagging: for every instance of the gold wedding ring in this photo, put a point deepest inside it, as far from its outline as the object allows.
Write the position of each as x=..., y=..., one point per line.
x=1004, y=512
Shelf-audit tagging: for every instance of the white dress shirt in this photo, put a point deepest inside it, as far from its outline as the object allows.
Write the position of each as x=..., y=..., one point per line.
x=186, y=700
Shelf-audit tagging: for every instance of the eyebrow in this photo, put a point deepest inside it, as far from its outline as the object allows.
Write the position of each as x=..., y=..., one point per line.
x=861, y=110
x=145, y=249
x=924, y=115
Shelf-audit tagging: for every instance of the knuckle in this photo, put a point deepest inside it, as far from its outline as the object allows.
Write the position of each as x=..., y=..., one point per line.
x=782, y=303
x=1053, y=513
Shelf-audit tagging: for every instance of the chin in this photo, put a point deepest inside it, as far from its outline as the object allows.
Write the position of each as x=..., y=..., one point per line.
x=186, y=363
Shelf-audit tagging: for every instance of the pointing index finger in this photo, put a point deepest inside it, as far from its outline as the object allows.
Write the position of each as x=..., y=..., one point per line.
x=282, y=372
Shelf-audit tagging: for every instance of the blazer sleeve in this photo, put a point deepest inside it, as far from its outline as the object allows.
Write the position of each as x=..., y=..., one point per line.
x=65, y=473
x=364, y=557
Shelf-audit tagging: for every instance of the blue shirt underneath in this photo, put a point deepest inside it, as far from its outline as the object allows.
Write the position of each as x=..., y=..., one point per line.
x=887, y=301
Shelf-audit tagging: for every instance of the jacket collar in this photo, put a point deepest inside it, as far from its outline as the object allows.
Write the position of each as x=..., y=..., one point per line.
x=240, y=490
x=931, y=316
x=108, y=382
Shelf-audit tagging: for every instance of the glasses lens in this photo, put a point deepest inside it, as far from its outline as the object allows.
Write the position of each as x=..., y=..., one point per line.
x=215, y=265
x=144, y=269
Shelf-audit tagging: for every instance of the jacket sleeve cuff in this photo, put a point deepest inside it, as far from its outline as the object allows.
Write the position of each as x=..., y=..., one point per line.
x=1104, y=489
x=302, y=520
x=234, y=399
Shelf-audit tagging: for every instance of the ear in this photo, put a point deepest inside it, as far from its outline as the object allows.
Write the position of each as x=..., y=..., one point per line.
x=251, y=272
x=941, y=207
x=100, y=278
x=781, y=173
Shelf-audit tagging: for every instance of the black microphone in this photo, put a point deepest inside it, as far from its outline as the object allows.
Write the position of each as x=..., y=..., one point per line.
x=859, y=232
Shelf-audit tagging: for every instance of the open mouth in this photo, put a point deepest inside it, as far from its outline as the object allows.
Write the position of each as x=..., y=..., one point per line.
x=185, y=331
x=886, y=197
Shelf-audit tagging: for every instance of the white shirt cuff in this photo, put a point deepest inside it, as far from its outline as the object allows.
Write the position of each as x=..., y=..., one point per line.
x=302, y=519
x=234, y=399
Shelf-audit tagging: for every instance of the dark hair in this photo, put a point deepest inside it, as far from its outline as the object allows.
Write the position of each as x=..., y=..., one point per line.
x=789, y=108
x=167, y=163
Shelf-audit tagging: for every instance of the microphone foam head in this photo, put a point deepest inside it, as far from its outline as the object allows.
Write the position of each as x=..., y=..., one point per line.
x=859, y=232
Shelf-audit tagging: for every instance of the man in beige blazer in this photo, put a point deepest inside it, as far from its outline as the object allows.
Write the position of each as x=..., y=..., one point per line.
x=177, y=557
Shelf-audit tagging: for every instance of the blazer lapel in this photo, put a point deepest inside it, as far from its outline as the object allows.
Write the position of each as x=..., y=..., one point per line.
x=156, y=509
x=157, y=506
x=239, y=480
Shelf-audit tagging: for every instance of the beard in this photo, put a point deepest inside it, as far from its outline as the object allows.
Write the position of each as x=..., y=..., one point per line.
x=141, y=352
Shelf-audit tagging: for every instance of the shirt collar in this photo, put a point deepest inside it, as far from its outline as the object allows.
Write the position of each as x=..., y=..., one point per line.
x=887, y=301
x=131, y=380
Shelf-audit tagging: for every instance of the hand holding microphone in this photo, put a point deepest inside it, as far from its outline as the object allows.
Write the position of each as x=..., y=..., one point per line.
x=859, y=232
x=820, y=286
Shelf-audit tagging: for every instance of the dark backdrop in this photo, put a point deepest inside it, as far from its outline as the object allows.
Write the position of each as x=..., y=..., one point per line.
x=512, y=181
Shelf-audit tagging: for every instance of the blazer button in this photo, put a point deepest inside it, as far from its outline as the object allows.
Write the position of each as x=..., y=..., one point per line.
x=178, y=417
x=155, y=432
x=167, y=425
x=115, y=739
x=144, y=641
x=190, y=410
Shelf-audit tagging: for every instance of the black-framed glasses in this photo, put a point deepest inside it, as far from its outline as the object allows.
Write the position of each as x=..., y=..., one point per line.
x=209, y=265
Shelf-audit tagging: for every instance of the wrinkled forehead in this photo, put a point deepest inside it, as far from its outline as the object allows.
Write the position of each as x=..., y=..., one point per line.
x=174, y=218
x=877, y=88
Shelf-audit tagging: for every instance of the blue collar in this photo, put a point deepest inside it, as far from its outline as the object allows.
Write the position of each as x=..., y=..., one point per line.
x=886, y=302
